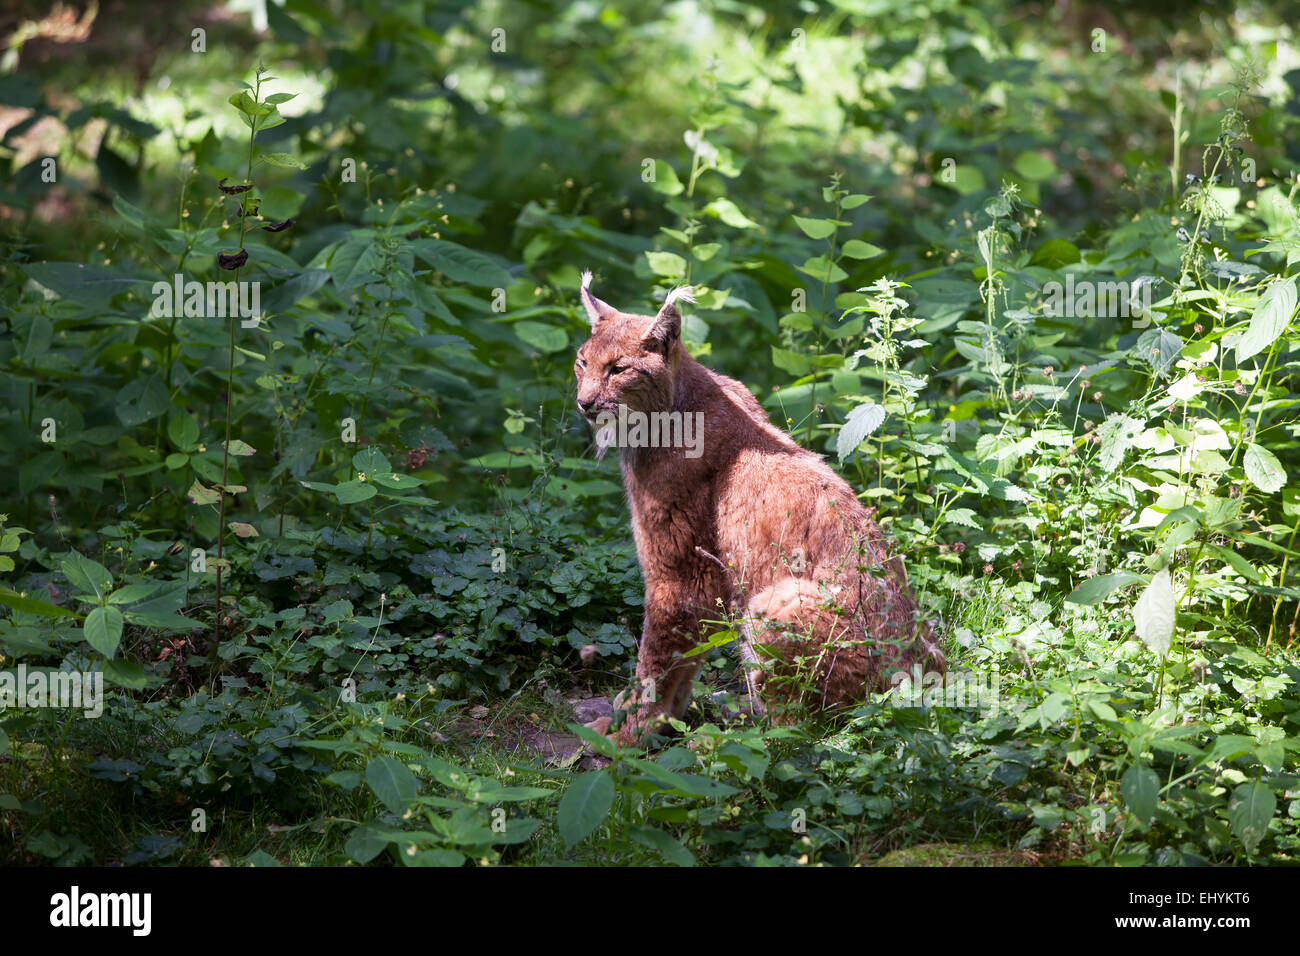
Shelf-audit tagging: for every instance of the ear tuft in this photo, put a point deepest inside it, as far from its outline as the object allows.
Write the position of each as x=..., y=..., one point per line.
x=668, y=323
x=680, y=293
x=597, y=311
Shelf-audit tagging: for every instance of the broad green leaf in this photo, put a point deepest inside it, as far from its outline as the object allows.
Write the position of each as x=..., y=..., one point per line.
x=862, y=421
x=460, y=264
x=201, y=495
x=823, y=269
x=1140, y=788
x=585, y=805
x=392, y=782
x=394, y=480
x=1153, y=615
x=598, y=742
x=103, y=629
x=664, y=843
x=31, y=606
x=370, y=460
x=283, y=160
x=666, y=264
x=350, y=492
x=133, y=592
x=730, y=213
x=355, y=262
x=544, y=338
x=1096, y=589
x=1034, y=166
x=127, y=674
x=1249, y=811
x=792, y=362
x=665, y=180
x=1263, y=469
x=1269, y=320
x=364, y=844
x=816, y=228
x=87, y=575
x=857, y=249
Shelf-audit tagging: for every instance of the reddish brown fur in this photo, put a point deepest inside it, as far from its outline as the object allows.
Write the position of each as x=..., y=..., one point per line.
x=788, y=528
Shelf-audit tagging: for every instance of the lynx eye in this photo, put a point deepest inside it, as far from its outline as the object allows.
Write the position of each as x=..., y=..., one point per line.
x=618, y=370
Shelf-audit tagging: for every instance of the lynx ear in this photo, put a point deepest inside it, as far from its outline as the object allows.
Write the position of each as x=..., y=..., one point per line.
x=597, y=311
x=668, y=323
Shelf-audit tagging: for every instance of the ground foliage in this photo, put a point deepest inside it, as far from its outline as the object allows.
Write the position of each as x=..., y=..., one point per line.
x=338, y=564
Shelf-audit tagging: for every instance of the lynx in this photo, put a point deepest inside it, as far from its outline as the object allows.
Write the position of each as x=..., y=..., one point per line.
x=750, y=526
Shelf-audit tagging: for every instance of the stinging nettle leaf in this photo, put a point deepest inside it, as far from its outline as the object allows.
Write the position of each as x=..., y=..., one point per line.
x=1249, y=811
x=585, y=805
x=1269, y=320
x=1153, y=615
x=1140, y=788
x=1263, y=469
x=862, y=421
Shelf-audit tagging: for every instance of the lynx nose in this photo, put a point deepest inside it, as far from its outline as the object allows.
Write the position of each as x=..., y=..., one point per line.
x=586, y=406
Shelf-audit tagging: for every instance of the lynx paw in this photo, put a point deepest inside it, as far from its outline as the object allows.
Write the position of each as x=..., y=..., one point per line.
x=600, y=725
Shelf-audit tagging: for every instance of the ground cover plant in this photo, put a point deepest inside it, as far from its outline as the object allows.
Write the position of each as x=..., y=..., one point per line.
x=293, y=460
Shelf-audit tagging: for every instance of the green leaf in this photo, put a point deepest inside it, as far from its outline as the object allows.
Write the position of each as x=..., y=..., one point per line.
x=354, y=262
x=283, y=160
x=1096, y=589
x=862, y=421
x=1271, y=317
x=544, y=338
x=350, y=492
x=1263, y=469
x=32, y=606
x=823, y=270
x=393, y=480
x=392, y=782
x=671, y=850
x=1140, y=788
x=133, y=592
x=792, y=362
x=666, y=180
x=1249, y=811
x=1055, y=253
x=666, y=264
x=364, y=844
x=1034, y=166
x=816, y=228
x=585, y=805
x=86, y=575
x=370, y=460
x=103, y=629
x=127, y=674
x=1153, y=615
x=598, y=742
x=237, y=447
x=201, y=495
x=460, y=264
x=857, y=249
x=730, y=213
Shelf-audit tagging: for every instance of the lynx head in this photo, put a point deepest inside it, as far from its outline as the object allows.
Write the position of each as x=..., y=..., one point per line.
x=630, y=360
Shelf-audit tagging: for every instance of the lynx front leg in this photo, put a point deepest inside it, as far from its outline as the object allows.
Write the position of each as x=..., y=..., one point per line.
x=663, y=676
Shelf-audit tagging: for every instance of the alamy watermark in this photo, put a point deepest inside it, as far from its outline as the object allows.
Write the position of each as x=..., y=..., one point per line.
x=50, y=688
x=628, y=428
x=1086, y=299
x=922, y=688
x=197, y=300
